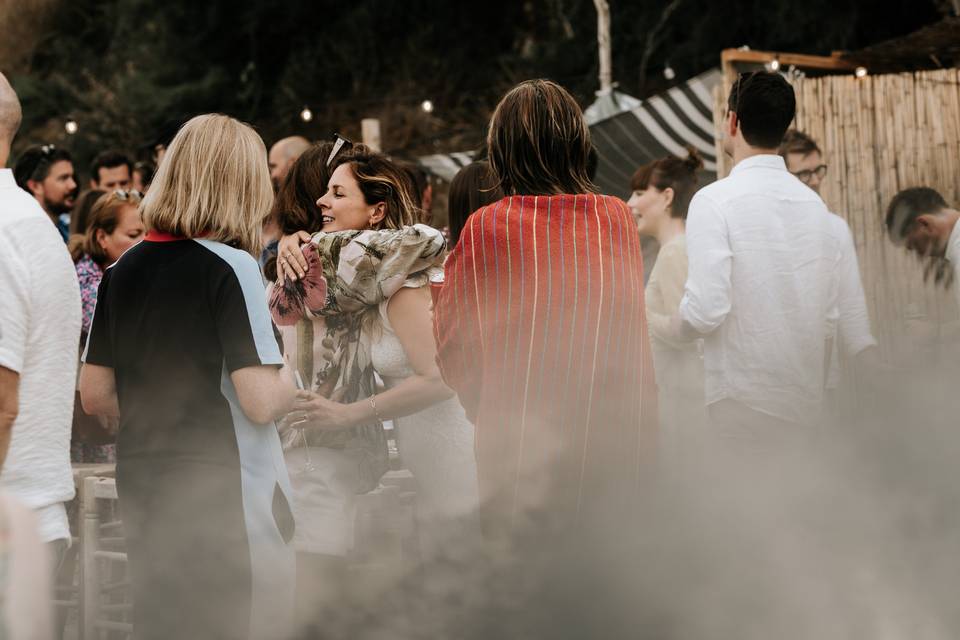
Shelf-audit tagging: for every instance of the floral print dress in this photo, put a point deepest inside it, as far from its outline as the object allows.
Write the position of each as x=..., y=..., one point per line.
x=89, y=275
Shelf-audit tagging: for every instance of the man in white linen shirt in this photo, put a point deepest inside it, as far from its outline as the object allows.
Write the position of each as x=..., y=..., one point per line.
x=39, y=344
x=804, y=160
x=922, y=221
x=763, y=276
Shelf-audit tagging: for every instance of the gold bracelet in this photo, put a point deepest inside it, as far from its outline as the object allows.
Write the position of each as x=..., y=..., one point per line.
x=376, y=414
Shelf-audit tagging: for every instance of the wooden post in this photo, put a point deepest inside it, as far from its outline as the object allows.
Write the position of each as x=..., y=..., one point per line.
x=370, y=128
x=89, y=580
x=603, y=44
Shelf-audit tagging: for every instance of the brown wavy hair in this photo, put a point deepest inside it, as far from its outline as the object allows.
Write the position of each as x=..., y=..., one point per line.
x=472, y=188
x=679, y=174
x=539, y=143
x=295, y=207
x=383, y=180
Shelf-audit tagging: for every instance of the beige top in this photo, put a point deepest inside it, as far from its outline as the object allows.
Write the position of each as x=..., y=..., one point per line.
x=677, y=364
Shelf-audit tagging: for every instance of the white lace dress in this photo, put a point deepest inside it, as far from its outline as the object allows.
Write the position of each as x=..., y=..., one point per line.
x=437, y=446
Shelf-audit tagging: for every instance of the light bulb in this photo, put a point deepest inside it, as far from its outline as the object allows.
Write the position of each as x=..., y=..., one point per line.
x=71, y=126
x=861, y=72
x=306, y=115
x=773, y=65
x=427, y=106
x=669, y=73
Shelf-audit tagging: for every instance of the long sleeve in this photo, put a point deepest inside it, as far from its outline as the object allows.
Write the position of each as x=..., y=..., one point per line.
x=665, y=289
x=854, y=320
x=707, y=297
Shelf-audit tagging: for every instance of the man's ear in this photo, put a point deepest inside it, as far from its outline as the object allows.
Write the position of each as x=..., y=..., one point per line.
x=733, y=123
x=35, y=187
x=926, y=222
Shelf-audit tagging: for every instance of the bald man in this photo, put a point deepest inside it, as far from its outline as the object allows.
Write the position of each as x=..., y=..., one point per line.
x=282, y=156
x=39, y=338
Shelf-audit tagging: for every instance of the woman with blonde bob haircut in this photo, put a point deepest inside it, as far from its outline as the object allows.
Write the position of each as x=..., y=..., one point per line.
x=182, y=349
x=215, y=185
x=540, y=323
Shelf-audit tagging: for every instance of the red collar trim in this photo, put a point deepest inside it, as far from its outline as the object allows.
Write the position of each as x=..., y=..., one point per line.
x=160, y=236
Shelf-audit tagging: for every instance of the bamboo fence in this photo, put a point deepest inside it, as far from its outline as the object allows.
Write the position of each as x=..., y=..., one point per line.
x=881, y=134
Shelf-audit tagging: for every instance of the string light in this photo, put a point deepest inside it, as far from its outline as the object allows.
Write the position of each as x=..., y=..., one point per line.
x=71, y=126
x=427, y=106
x=306, y=115
x=773, y=65
x=669, y=73
x=861, y=72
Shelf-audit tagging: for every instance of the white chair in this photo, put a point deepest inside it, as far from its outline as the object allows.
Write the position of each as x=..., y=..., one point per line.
x=104, y=606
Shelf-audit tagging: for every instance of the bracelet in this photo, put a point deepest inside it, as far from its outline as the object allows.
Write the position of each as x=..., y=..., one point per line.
x=376, y=414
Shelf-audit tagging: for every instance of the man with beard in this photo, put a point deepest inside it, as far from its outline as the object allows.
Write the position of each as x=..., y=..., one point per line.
x=46, y=172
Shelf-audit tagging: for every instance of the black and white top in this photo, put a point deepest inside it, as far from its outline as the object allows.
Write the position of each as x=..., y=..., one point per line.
x=174, y=318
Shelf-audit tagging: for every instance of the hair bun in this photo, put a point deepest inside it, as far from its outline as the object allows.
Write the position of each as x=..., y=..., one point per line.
x=693, y=161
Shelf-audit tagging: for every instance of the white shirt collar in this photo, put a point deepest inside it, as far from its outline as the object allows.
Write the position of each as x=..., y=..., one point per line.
x=762, y=161
x=6, y=178
x=953, y=246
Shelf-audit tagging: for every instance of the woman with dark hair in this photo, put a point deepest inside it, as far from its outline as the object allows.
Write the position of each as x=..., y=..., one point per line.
x=662, y=191
x=472, y=188
x=362, y=306
x=80, y=215
x=540, y=322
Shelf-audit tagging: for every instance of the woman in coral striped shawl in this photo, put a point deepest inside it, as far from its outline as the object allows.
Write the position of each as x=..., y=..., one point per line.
x=540, y=324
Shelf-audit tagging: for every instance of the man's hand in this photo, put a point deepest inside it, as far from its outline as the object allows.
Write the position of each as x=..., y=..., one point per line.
x=9, y=408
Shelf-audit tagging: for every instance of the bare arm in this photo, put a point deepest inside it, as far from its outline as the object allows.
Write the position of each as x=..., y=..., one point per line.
x=98, y=391
x=409, y=314
x=9, y=408
x=266, y=393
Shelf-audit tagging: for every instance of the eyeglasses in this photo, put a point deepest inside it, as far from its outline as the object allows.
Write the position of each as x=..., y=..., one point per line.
x=339, y=143
x=124, y=195
x=807, y=175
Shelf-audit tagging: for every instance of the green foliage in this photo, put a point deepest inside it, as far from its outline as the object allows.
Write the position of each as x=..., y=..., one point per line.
x=130, y=71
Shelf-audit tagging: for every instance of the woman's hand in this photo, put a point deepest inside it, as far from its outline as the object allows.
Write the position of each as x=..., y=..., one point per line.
x=290, y=261
x=317, y=412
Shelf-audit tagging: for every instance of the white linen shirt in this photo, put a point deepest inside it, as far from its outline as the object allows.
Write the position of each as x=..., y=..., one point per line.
x=853, y=333
x=762, y=286
x=39, y=339
x=953, y=255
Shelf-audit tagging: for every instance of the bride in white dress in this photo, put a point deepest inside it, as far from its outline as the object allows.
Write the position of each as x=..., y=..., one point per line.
x=434, y=436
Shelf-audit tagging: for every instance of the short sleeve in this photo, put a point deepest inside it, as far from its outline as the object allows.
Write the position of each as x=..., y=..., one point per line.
x=99, y=349
x=14, y=305
x=246, y=332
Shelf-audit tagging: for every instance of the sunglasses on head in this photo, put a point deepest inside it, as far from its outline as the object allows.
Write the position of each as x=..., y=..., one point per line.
x=124, y=195
x=339, y=144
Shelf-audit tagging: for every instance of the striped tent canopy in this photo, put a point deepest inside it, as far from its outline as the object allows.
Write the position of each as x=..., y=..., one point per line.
x=446, y=165
x=662, y=125
x=634, y=135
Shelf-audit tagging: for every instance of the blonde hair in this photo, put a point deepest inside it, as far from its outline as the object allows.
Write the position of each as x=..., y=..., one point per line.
x=213, y=182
